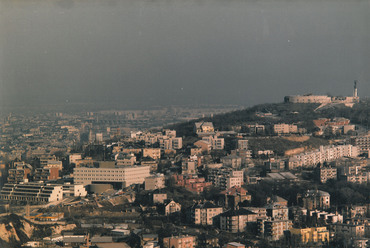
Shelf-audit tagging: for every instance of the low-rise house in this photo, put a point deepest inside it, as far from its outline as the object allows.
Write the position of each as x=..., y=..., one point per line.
x=171, y=207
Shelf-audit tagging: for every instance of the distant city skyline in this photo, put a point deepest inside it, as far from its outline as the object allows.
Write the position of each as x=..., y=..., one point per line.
x=184, y=52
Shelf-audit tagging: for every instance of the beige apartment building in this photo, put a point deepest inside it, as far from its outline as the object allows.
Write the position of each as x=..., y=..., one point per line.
x=203, y=213
x=183, y=241
x=235, y=221
x=283, y=128
x=154, y=153
x=311, y=235
x=126, y=176
x=155, y=182
x=273, y=229
x=323, y=154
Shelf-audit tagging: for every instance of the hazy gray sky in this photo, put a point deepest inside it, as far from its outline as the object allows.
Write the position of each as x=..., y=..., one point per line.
x=181, y=51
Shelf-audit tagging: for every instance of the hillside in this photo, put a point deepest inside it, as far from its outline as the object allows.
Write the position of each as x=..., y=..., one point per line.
x=15, y=230
x=303, y=114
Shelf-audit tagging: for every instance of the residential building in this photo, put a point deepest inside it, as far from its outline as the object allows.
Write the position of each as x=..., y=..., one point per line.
x=125, y=159
x=232, y=161
x=323, y=154
x=159, y=198
x=274, y=165
x=235, y=221
x=273, y=229
x=154, y=153
x=277, y=212
x=32, y=192
x=231, y=197
x=74, y=190
x=183, y=241
x=192, y=183
x=46, y=174
x=316, y=199
x=283, y=128
x=242, y=144
x=189, y=166
x=172, y=207
x=203, y=213
x=155, y=182
x=204, y=146
x=234, y=245
x=174, y=143
x=215, y=142
x=311, y=235
x=349, y=229
x=362, y=142
x=19, y=173
x=54, y=164
x=325, y=173
x=201, y=128
x=226, y=178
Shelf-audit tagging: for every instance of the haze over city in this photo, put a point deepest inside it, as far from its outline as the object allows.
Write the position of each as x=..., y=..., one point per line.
x=181, y=52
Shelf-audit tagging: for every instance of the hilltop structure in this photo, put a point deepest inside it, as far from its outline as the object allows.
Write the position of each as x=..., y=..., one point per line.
x=349, y=101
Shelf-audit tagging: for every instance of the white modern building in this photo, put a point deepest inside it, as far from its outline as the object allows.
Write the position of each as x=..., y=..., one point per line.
x=126, y=175
x=324, y=154
x=32, y=192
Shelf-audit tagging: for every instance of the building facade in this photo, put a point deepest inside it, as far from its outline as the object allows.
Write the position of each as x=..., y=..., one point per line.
x=126, y=176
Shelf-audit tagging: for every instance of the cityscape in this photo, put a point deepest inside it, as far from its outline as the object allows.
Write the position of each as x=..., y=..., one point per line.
x=184, y=124
x=276, y=178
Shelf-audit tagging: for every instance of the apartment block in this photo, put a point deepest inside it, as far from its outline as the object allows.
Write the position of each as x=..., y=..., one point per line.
x=316, y=199
x=154, y=153
x=32, y=192
x=323, y=154
x=19, y=173
x=235, y=221
x=273, y=229
x=232, y=161
x=215, y=142
x=277, y=212
x=283, y=128
x=311, y=235
x=323, y=174
x=203, y=213
x=226, y=178
x=183, y=241
x=242, y=144
x=46, y=174
x=155, y=182
x=349, y=229
x=231, y=197
x=362, y=142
